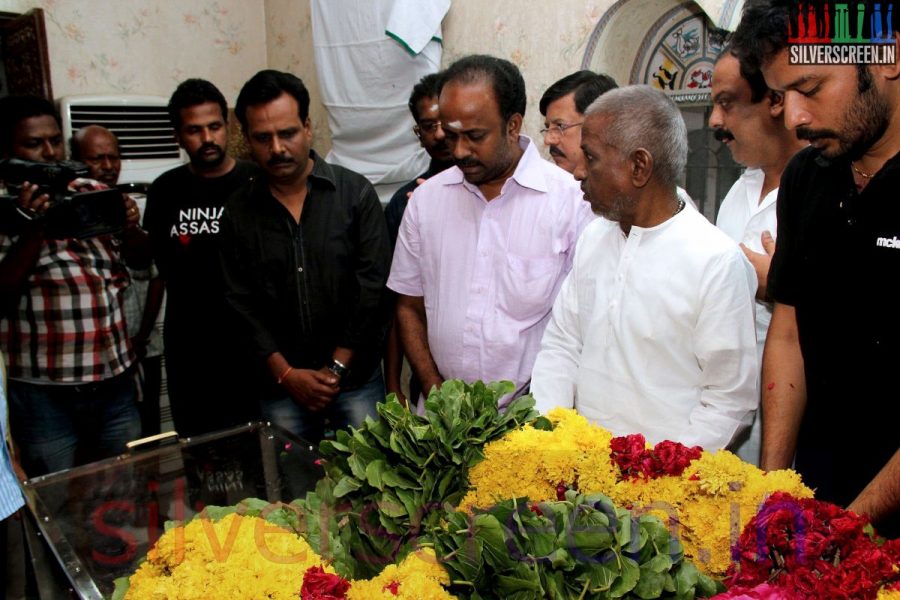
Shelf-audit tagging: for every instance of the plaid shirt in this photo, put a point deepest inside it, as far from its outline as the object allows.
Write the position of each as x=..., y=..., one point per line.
x=69, y=326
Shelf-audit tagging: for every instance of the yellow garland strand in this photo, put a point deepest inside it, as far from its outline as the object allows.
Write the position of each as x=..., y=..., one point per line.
x=247, y=558
x=419, y=577
x=706, y=507
x=237, y=557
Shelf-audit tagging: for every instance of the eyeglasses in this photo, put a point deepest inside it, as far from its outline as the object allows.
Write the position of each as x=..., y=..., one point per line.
x=559, y=128
x=426, y=127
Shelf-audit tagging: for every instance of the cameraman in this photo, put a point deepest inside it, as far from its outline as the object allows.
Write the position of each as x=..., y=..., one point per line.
x=62, y=328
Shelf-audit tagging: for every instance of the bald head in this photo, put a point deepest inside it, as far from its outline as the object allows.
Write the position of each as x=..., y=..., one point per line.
x=98, y=148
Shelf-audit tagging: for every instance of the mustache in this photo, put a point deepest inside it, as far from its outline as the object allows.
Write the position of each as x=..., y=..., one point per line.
x=210, y=146
x=811, y=135
x=467, y=162
x=555, y=151
x=723, y=135
x=279, y=160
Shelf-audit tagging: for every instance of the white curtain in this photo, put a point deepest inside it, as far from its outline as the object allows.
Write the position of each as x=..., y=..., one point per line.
x=369, y=54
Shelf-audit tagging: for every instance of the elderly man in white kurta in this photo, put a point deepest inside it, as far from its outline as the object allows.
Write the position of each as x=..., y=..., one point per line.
x=653, y=329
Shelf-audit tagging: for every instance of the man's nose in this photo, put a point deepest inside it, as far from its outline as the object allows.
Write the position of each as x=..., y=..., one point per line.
x=207, y=134
x=459, y=148
x=795, y=113
x=715, y=117
x=106, y=164
x=48, y=150
x=277, y=146
x=580, y=172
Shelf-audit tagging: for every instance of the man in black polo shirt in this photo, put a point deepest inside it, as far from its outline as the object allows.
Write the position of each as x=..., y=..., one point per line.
x=833, y=348
x=306, y=256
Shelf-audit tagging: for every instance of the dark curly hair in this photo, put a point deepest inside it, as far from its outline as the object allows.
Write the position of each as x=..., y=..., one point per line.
x=192, y=92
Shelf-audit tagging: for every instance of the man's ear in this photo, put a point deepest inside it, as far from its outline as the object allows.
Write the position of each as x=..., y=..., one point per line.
x=776, y=103
x=641, y=167
x=514, y=125
x=889, y=72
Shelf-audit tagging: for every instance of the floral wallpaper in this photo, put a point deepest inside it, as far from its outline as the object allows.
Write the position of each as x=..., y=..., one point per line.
x=546, y=40
x=290, y=48
x=143, y=47
x=140, y=47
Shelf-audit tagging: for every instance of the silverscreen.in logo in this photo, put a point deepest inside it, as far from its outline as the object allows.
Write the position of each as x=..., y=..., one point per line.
x=822, y=33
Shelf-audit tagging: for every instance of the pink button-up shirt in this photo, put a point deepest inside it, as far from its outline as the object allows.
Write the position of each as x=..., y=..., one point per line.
x=489, y=271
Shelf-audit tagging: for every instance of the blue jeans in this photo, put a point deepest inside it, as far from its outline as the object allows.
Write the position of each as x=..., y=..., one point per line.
x=59, y=426
x=348, y=408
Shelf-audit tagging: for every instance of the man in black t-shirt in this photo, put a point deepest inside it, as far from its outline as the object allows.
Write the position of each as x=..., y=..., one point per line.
x=833, y=347
x=206, y=374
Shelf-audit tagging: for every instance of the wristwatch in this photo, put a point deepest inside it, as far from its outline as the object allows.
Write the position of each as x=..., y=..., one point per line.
x=338, y=368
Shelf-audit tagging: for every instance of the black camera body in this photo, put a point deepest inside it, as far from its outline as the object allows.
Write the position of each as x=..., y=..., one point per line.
x=70, y=214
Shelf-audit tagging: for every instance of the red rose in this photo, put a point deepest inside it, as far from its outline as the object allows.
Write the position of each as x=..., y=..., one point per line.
x=319, y=585
x=672, y=458
x=631, y=456
x=815, y=548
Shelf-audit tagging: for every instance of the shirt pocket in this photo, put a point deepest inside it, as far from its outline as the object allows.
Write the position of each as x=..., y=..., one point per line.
x=527, y=285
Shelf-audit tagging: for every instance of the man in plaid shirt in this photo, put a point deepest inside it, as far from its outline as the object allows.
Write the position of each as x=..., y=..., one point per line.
x=62, y=328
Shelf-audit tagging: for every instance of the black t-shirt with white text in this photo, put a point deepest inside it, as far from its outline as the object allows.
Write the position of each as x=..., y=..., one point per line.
x=182, y=218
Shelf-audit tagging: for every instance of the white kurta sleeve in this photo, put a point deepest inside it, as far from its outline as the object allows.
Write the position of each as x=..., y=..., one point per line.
x=725, y=346
x=556, y=366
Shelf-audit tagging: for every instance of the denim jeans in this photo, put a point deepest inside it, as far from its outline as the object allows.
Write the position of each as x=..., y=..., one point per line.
x=59, y=426
x=348, y=408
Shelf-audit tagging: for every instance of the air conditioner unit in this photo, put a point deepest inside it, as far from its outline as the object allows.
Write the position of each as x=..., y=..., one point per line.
x=146, y=138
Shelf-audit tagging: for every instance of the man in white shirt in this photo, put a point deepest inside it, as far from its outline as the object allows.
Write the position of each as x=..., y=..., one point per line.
x=749, y=118
x=652, y=331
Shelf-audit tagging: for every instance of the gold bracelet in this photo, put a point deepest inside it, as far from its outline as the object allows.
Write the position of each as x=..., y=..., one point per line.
x=284, y=374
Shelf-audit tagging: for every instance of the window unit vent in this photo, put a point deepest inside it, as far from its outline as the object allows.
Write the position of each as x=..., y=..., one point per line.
x=141, y=123
x=143, y=131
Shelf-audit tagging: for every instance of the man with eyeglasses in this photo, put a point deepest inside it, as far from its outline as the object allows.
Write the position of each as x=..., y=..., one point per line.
x=484, y=246
x=423, y=104
x=563, y=106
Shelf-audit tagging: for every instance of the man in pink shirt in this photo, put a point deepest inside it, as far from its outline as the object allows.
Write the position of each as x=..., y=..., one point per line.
x=484, y=246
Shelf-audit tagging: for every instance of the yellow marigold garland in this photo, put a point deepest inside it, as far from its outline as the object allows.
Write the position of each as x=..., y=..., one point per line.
x=418, y=577
x=237, y=557
x=707, y=506
x=886, y=594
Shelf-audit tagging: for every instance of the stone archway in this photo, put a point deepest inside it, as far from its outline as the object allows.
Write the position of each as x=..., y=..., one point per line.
x=672, y=45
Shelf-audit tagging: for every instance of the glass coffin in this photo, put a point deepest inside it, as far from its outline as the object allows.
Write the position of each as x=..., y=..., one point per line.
x=100, y=519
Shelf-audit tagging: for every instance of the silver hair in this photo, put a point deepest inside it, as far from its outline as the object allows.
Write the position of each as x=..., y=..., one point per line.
x=643, y=117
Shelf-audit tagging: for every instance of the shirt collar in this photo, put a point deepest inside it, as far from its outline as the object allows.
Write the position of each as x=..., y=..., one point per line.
x=528, y=172
x=321, y=170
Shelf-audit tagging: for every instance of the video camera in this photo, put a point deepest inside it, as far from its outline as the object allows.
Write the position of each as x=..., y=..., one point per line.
x=71, y=214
